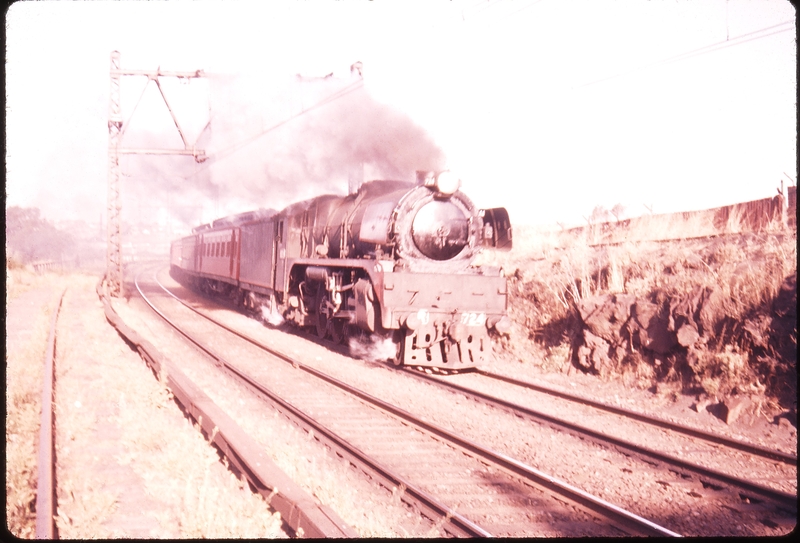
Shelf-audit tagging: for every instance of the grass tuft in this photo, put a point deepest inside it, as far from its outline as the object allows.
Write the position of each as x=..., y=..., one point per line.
x=551, y=273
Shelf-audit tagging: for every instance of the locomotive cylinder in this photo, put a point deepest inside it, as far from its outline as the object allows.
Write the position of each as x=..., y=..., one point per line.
x=317, y=273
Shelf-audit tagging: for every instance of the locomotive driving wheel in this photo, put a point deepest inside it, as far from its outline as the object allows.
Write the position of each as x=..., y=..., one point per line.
x=399, y=349
x=321, y=306
x=339, y=330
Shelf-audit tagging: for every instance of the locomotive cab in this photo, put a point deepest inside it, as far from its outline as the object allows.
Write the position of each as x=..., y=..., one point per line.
x=496, y=228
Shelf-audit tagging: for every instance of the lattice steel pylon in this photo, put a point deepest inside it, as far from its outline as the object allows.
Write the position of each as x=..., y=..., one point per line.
x=114, y=223
x=114, y=273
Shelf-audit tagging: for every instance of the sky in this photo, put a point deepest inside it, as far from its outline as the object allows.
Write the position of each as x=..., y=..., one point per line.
x=546, y=107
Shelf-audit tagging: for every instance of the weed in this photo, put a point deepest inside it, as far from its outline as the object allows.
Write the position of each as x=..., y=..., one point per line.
x=733, y=278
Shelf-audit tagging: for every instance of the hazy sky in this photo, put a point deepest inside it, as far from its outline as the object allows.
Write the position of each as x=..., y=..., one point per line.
x=547, y=107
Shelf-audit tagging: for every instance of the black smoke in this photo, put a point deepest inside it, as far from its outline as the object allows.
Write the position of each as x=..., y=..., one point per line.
x=270, y=143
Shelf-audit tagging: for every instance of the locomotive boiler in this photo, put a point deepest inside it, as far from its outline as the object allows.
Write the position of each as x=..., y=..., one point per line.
x=392, y=259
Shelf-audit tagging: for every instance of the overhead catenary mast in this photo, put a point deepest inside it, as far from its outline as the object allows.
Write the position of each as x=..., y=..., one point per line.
x=114, y=278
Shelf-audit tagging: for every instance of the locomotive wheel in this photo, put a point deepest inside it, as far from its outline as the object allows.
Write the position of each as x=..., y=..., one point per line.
x=399, y=341
x=338, y=331
x=238, y=298
x=399, y=353
x=322, y=317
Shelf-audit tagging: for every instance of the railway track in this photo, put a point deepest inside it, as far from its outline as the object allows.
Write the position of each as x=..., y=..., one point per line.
x=301, y=512
x=711, y=437
x=713, y=460
x=45, y=488
x=463, y=487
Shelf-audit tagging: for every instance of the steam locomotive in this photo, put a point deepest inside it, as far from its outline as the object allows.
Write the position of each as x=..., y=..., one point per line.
x=392, y=259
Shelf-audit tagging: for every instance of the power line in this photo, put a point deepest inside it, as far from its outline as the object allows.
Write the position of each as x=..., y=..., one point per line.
x=494, y=16
x=739, y=40
x=226, y=152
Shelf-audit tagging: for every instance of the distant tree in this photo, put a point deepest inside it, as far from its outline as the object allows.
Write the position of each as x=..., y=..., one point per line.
x=618, y=211
x=32, y=238
x=599, y=215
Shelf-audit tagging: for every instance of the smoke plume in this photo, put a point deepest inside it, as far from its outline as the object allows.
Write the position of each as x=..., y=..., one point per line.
x=271, y=143
x=373, y=348
x=271, y=317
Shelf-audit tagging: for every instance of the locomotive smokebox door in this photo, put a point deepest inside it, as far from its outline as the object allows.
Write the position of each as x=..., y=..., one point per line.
x=496, y=228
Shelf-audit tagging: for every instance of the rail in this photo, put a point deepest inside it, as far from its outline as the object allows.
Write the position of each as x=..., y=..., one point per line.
x=711, y=437
x=633, y=523
x=456, y=524
x=785, y=499
x=45, y=488
x=298, y=509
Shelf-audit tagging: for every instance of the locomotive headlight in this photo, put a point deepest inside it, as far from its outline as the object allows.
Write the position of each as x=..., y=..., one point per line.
x=447, y=182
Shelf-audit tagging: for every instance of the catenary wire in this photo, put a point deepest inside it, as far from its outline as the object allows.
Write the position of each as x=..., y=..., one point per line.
x=224, y=153
x=739, y=40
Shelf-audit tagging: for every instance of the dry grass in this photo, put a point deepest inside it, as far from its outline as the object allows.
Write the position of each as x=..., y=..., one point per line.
x=719, y=373
x=551, y=272
x=108, y=398
x=24, y=366
x=20, y=280
x=202, y=498
x=95, y=370
x=23, y=406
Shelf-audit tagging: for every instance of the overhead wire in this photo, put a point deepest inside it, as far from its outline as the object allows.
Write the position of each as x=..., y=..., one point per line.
x=127, y=122
x=515, y=12
x=739, y=40
x=227, y=151
x=744, y=38
x=494, y=18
